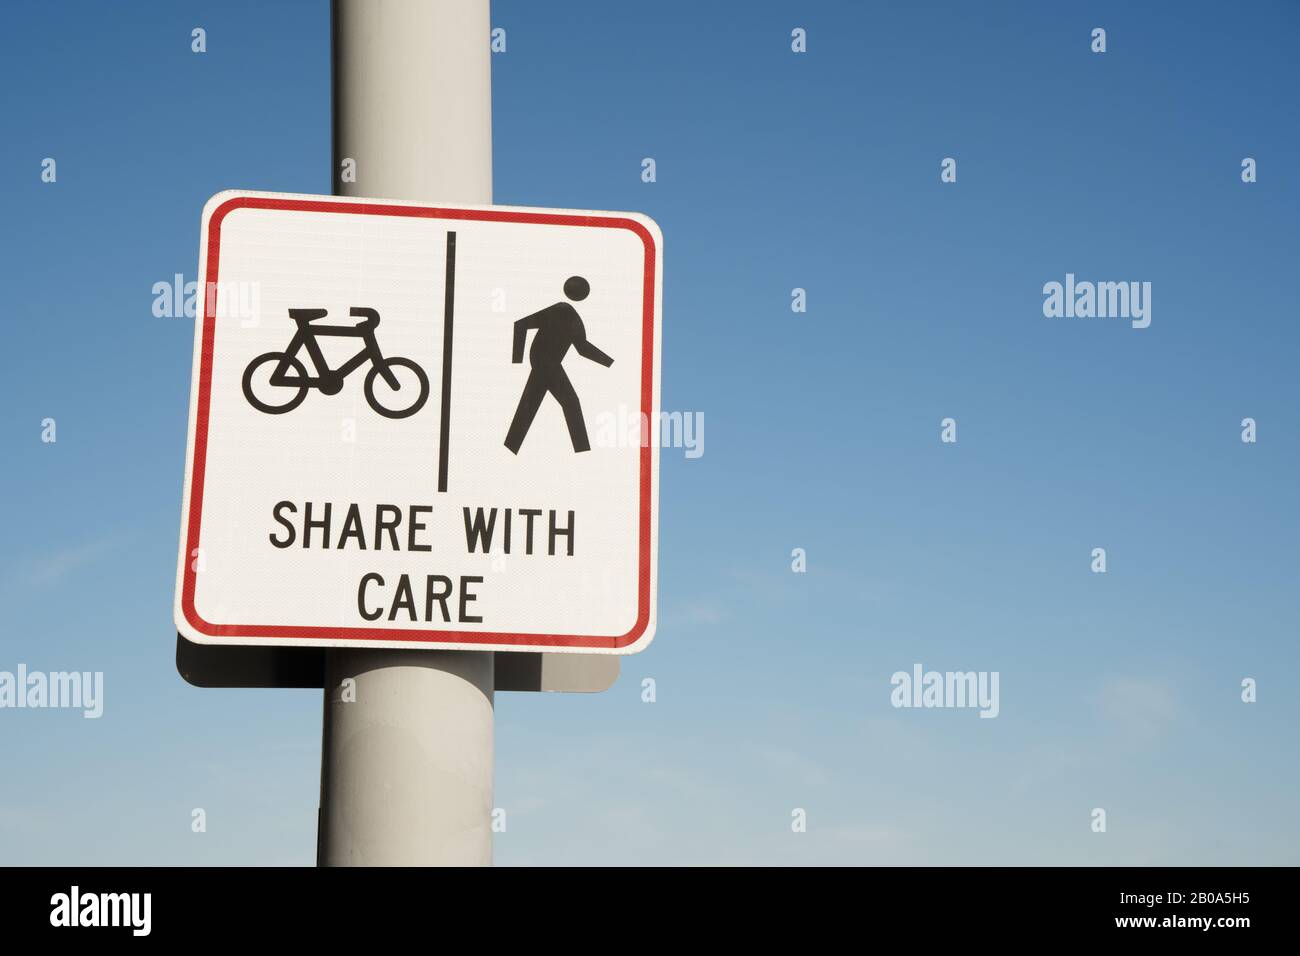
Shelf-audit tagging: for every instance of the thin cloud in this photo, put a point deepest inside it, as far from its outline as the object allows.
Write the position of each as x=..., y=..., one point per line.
x=52, y=568
x=1144, y=709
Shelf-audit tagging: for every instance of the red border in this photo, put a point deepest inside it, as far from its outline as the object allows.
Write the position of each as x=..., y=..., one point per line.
x=424, y=636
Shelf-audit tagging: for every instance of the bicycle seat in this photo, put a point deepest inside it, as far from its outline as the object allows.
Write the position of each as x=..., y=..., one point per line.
x=306, y=315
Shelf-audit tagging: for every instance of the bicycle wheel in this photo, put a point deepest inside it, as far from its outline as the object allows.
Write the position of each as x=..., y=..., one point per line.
x=390, y=406
x=294, y=400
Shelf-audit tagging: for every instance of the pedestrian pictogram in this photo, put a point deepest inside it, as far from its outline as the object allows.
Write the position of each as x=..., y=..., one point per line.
x=437, y=497
x=558, y=327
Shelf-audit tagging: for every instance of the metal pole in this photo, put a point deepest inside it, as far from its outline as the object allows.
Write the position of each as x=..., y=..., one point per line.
x=406, y=767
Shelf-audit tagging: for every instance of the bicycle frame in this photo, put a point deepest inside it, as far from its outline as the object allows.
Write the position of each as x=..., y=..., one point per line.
x=326, y=377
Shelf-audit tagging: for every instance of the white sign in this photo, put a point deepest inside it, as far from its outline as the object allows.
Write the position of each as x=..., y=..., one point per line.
x=409, y=427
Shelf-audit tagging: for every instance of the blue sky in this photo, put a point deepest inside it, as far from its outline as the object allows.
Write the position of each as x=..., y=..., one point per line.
x=775, y=170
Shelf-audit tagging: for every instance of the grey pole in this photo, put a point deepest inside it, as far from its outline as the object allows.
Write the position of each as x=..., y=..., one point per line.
x=406, y=766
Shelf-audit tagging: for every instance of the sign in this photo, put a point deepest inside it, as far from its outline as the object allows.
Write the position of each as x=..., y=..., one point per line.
x=409, y=427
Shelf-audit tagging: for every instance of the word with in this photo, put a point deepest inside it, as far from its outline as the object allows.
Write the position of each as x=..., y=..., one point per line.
x=479, y=531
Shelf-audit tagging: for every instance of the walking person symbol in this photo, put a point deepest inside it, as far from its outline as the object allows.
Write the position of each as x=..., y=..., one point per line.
x=558, y=327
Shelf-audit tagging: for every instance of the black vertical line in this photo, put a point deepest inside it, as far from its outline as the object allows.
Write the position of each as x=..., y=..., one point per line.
x=448, y=309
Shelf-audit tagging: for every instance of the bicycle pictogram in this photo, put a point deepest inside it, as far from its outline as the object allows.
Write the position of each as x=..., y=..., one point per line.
x=330, y=381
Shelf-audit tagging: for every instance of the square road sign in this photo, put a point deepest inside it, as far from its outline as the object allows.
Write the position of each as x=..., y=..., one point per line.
x=422, y=426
